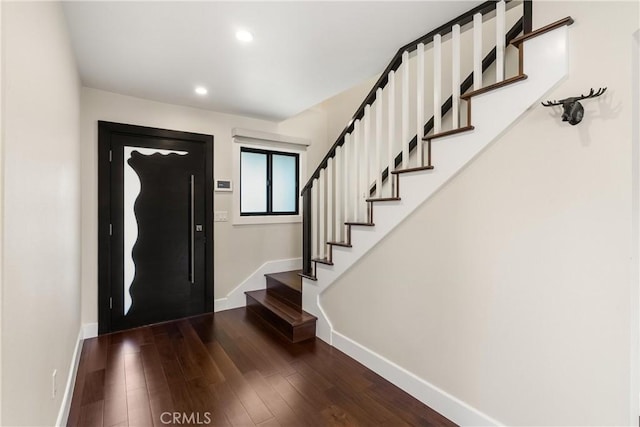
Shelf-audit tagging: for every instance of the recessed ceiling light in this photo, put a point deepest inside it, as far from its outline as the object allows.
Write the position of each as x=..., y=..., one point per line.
x=244, y=36
x=201, y=90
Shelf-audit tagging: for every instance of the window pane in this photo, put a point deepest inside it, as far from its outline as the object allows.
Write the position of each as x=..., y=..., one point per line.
x=253, y=182
x=285, y=196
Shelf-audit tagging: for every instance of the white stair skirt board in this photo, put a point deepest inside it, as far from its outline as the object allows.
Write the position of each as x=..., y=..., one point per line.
x=546, y=64
x=256, y=281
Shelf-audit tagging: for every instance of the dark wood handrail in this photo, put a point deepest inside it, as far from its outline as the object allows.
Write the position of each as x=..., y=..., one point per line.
x=443, y=30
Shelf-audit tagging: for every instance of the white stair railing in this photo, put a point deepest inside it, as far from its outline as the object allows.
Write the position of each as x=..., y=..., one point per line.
x=370, y=149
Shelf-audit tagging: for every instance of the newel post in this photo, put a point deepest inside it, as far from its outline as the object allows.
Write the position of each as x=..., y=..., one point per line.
x=306, y=232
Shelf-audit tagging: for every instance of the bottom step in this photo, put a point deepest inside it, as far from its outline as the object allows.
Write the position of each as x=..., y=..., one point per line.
x=294, y=324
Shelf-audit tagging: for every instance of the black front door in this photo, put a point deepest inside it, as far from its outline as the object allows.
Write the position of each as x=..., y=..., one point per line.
x=156, y=197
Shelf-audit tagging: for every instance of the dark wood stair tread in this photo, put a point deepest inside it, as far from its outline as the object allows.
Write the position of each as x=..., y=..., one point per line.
x=279, y=307
x=364, y=224
x=343, y=244
x=448, y=133
x=281, y=316
x=384, y=199
x=489, y=88
x=421, y=168
x=562, y=22
x=308, y=276
x=288, y=278
x=322, y=261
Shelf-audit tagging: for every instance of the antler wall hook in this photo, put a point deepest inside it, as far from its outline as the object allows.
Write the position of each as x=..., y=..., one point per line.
x=572, y=109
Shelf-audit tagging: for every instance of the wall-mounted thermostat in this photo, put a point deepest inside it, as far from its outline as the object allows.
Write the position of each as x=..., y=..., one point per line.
x=223, y=185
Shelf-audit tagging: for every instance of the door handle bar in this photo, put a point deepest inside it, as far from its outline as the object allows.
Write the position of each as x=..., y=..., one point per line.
x=192, y=226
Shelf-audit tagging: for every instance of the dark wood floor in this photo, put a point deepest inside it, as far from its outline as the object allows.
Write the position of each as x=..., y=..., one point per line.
x=226, y=369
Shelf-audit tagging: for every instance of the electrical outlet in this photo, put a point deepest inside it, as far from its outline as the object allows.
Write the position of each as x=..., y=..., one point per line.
x=220, y=216
x=54, y=384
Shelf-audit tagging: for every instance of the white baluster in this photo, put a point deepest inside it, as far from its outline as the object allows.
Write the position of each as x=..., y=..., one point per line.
x=455, y=78
x=392, y=129
x=500, y=35
x=330, y=194
x=405, y=110
x=315, y=202
x=346, y=167
x=338, y=190
x=420, y=104
x=321, y=214
x=356, y=169
x=366, y=142
x=477, y=51
x=377, y=167
x=437, y=83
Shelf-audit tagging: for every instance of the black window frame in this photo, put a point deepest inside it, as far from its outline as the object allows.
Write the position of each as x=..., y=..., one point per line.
x=269, y=155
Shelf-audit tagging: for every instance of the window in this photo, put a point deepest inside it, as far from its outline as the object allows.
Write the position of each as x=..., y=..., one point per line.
x=269, y=182
x=268, y=169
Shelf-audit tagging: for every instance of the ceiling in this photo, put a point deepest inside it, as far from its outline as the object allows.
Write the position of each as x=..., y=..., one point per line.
x=303, y=52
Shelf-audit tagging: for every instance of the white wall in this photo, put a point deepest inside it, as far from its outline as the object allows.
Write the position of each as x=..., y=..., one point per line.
x=325, y=121
x=509, y=289
x=41, y=203
x=342, y=107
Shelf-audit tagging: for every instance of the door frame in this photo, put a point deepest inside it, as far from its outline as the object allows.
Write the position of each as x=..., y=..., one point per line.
x=105, y=131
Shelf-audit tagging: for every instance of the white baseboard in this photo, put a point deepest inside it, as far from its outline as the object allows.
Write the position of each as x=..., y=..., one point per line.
x=89, y=330
x=439, y=400
x=254, y=282
x=65, y=405
x=220, y=304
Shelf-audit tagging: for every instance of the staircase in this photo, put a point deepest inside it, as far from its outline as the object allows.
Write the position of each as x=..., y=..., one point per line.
x=280, y=306
x=376, y=174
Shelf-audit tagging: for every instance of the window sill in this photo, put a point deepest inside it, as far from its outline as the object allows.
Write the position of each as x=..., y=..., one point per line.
x=275, y=219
